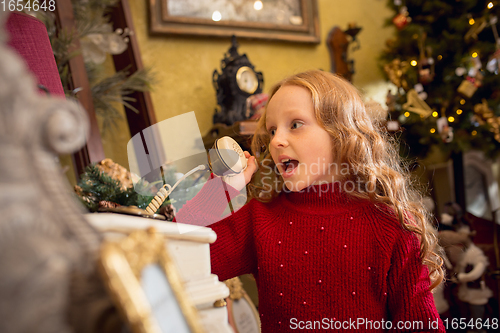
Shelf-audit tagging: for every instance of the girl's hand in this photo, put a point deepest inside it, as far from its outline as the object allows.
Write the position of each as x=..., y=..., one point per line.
x=252, y=167
x=239, y=181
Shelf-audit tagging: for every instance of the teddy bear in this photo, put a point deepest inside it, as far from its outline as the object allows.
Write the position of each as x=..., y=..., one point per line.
x=469, y=264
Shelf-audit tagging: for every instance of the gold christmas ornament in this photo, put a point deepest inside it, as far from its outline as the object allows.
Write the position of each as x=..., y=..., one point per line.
x=476, y=28
x=417, y=105
x=396, y=71
x=426, y=62
x=484, y=115
x=467, y=88
x=117, y=172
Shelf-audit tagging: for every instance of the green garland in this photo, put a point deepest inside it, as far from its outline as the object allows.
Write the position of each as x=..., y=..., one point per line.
x=96, y=186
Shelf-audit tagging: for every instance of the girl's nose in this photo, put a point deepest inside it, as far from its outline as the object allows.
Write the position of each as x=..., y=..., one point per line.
x=279, y=140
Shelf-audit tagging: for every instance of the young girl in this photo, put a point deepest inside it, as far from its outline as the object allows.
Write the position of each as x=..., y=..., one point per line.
x=334, y=236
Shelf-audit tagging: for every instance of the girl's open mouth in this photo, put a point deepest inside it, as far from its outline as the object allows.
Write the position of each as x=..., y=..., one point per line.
x=288, y=167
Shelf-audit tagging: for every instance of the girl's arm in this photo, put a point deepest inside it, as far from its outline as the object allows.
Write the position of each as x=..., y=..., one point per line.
x=409, y=299
x=209, y=204
x=233, y=253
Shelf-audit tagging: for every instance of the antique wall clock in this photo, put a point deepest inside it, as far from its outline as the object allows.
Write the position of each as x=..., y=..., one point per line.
x=234, y=85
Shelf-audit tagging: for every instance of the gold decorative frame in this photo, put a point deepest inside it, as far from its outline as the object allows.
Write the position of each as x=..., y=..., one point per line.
x=307, y=30
x=121, y=264
x=238, y=294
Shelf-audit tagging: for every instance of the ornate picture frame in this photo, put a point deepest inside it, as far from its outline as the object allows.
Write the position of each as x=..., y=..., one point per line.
x=286, y=20
x=242, y=314
x=145, y=286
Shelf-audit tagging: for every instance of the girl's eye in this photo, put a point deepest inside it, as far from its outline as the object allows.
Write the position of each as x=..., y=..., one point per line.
x=296, y=125
x=272, y=132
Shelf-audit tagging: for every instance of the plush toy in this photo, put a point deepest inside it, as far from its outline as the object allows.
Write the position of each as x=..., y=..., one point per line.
x=453, y=217
x=469, y=265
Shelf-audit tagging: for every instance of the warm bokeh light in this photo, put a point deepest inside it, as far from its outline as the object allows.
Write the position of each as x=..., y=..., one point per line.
x=451, y=119
x=474, y=55
x=407, y=114
x=257, y=5
x=490, y=5
x=433, y=130
x=413, y=63
x=435, y=114
x=216, y=16
x=462, y=101
x=474, y=133
x=440, y=57
x=471, y=21
x=459, y=111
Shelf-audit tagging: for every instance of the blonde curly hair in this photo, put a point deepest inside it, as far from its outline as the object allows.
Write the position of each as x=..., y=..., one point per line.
x=357, y=143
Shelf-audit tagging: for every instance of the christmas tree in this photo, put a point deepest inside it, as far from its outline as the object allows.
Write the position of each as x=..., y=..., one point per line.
x=445, y=62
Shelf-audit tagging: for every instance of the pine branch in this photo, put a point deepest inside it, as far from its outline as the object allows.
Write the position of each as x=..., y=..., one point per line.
x=97, y=186
x=92, y=17
x=108, y=91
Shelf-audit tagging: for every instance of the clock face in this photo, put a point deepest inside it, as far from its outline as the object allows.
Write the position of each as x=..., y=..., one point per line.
x=247, y=80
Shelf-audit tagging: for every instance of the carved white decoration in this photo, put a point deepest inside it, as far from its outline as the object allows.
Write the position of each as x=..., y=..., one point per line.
x=48, y=250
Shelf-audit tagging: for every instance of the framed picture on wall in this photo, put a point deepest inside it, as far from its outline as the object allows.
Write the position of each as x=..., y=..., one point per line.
x=287, y=20
x=145, y=286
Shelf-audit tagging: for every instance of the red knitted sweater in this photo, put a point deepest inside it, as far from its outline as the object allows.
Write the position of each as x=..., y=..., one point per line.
x=322, y=261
